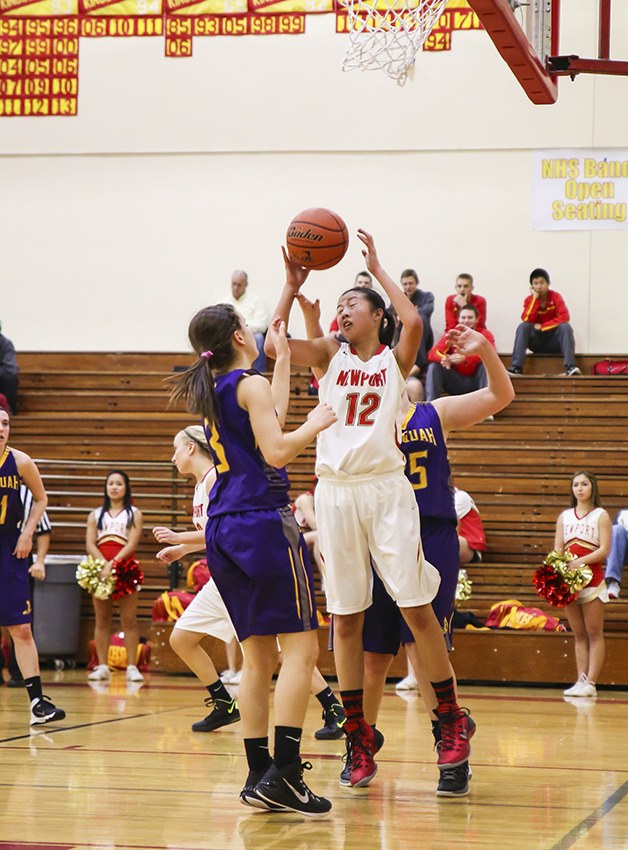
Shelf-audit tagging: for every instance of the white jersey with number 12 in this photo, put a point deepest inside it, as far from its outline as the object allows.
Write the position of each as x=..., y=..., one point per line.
x=369, y=401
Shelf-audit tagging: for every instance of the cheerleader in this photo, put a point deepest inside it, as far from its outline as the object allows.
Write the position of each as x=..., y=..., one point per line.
x=113, y=534
x=585, y=531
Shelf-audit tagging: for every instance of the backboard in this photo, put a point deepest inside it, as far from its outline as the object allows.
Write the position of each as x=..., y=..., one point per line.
x=526, y=34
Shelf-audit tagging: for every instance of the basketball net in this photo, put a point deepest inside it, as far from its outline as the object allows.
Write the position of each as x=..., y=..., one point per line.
x=386, y=35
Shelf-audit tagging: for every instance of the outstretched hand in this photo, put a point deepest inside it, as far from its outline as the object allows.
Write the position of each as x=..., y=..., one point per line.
x=466, y=341
x=322, y=416
x=296, y=275
x=310, y=309
x=369, y=252
x=277, y=333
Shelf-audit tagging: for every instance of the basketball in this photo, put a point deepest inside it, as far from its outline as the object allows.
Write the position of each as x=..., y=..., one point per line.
x=317, y=238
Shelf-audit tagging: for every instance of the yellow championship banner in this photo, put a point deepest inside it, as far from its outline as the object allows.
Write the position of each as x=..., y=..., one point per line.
x=39, y=41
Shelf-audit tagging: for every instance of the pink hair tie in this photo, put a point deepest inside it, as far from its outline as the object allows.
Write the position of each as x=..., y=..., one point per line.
x=207, y=354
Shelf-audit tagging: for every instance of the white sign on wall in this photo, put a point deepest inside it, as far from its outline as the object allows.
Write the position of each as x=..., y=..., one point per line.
x=580, y=189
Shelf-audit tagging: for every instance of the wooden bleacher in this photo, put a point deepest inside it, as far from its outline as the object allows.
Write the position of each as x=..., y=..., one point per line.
x=83, y=414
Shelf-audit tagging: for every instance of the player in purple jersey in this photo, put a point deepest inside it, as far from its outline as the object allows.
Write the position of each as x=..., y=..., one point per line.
x=424, y=444
x=15, y=546
x=258, y=557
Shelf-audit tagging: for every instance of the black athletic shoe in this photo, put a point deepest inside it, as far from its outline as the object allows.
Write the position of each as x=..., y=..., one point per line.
x=250, y=797
x=16, y=683
x=285, y=788
x=514, y=370
x=224, y=713
x=334, y=719
x=454, y=781
x=43, y=711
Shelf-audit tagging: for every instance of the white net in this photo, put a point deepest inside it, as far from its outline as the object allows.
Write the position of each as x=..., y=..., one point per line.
x=386, y=35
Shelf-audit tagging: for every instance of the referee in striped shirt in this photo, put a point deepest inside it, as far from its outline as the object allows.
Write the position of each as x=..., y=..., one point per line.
x=37, y=570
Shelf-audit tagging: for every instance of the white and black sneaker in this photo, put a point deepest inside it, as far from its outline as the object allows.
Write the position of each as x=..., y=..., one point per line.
x=284, y=787
x=454, y=781
x=43, y=711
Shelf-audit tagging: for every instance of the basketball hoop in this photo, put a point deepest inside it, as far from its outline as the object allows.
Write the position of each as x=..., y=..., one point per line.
x=386, y=35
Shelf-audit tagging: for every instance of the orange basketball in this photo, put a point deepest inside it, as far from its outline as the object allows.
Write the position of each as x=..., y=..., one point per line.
x=317, y=238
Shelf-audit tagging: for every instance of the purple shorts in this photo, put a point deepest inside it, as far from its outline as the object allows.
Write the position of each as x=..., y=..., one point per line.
x=384, y=626
x=261, y=567
x=15, y=596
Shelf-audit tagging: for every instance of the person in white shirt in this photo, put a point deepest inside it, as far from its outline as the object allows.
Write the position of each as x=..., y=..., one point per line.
x=254, y=311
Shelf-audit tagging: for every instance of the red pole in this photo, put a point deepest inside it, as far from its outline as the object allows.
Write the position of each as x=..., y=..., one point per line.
x=555, y=50
x=604, y=30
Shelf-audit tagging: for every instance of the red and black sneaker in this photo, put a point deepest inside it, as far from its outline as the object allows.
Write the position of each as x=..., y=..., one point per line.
x=345, y=774
x=361, y=746
x=457, y=727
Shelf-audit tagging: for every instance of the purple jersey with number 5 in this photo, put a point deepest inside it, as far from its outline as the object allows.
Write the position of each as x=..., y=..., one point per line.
x=244, y=481
x=427, y=464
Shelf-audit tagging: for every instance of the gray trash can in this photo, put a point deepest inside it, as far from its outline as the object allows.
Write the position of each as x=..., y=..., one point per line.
x=57, y=608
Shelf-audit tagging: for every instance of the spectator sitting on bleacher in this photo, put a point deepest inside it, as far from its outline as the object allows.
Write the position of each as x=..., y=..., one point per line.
x=618, y=556
x=9, y=372
x=254, y=311
x=545, y=327
x=470, y=529
x=452, y=372
x=464, y=295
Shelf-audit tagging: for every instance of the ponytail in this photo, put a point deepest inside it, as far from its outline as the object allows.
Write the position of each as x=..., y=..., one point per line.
x=210, y=332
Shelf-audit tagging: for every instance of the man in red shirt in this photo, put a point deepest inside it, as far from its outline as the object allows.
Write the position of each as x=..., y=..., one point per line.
x=545, y=327
x=464, y=295
x=451, y=372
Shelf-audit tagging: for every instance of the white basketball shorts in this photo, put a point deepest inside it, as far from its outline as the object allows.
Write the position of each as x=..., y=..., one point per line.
x=362, y=517
x=207, y=614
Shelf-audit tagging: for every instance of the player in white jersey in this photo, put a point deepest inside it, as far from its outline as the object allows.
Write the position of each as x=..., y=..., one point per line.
x=585, y=531
x=364, y=503
x=207, y=613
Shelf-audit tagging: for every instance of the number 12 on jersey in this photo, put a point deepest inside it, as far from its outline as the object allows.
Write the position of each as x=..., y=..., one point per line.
x=361, y=409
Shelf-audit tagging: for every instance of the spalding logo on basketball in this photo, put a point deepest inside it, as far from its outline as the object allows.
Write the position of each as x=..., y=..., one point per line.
x=317, y=238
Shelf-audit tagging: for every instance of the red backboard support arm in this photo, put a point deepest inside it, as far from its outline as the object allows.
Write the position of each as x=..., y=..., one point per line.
x=510, y=40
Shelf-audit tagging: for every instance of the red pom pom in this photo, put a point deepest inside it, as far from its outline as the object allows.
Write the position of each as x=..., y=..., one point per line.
x=129, y=578
x=552, y=587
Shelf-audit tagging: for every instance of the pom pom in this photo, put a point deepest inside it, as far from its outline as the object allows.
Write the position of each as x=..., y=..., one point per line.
x=88, y=577
x=463, y=588
x=557, y=582
x=128, y=577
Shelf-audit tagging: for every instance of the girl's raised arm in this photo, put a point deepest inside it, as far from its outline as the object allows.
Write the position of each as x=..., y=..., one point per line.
x=280, y=384
x=412, y=330
x=316, y=352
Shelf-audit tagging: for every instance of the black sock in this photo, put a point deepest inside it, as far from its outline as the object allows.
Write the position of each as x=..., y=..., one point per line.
x=257, y=754
x=327, y=698
x=287, y=745
x=33, y=687
x=218, y=691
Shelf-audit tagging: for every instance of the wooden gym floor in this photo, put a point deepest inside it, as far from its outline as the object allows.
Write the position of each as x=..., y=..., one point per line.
x=125, y=771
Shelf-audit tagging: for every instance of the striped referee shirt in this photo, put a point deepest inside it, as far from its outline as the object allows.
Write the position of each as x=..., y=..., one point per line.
x=43, y=526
